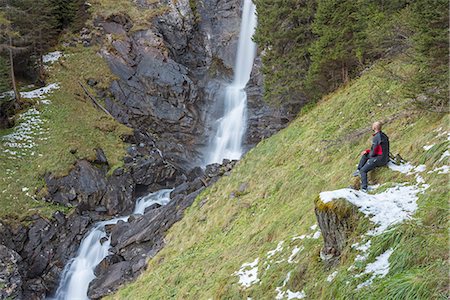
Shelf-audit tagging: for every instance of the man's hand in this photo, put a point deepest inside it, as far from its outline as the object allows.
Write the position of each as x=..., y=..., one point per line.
x=363, y=153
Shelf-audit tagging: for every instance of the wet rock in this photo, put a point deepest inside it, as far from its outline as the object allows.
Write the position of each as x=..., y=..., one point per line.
x=10, y=278
x=103, y=284
x=152, y=207
x=106, y=263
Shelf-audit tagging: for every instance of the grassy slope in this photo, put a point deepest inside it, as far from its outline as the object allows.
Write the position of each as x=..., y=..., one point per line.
x=285, y=174
x=71, y=122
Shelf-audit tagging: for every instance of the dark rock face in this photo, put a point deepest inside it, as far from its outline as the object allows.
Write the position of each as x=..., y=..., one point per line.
x=135, y=242
x=90, y=189
x=10, y=278
x=336, y=221
x=36, y=254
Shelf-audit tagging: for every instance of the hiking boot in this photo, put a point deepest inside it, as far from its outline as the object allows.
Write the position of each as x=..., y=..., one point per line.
x=364, y=190
x=356, y=173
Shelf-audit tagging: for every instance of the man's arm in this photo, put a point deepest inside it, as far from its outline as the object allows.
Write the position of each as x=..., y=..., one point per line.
x=376, y=149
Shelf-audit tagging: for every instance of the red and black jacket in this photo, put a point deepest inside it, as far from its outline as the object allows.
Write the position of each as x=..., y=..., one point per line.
x=380, y=147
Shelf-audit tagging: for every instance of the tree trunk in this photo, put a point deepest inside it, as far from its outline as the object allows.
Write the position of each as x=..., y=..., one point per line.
x=13, y=76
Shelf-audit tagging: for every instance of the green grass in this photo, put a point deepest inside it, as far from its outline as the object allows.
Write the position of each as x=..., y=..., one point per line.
x=71, y=122
x=285, y=174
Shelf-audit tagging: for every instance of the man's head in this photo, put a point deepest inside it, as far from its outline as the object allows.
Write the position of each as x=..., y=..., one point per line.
x=376, y=126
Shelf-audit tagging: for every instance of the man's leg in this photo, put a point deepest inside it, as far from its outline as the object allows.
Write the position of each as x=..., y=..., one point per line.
x=363, y=161
x=370, y=165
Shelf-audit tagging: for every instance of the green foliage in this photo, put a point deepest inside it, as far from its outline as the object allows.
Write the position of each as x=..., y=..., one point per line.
x=310, y=48
x=4, y=75
x=430, y=19
x=285, y=47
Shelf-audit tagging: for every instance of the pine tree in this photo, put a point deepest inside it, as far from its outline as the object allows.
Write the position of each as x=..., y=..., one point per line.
x=284, y=35
x=430, y=19
x=340, y=47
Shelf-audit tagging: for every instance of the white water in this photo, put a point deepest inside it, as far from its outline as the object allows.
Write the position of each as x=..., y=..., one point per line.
x=227, y=142
x=79, y=272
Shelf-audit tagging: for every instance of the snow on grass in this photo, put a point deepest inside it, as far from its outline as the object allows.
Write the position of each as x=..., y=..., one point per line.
x=23, y=139
x=51, y=57
x=384, y=209
x=403, y=168
x=316, y=235
x=428, y=147
x=363, y=249
x=294, y=253
x=248, y=274
x=288, y=294
x=41, y=92
x=390, y=207
x=440, y=170
x=279, y=248
x=379, y=268
x=444, y=155
x=300, y=237
x=331, y=277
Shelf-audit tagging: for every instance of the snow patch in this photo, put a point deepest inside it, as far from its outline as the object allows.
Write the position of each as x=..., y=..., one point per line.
x=288, y=294
x=379, y=268
x=428, y=147
x=313, y=227
x=279, y=248
x=301, y=237
x=294, y=253
x=41, y=92
x=331, y=277
x=51, y=57
x=440, y=170
x=384, y=209
x=403, y=168
x=444, y=155
x=316, y=235
x=248, y=273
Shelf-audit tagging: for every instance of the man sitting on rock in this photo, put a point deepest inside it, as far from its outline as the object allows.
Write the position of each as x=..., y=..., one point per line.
x=376, y=156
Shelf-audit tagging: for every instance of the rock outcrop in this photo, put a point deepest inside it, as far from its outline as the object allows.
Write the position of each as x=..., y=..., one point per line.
x=35, y=255
x=336, y=220
x=88, y=187
x=171, y=76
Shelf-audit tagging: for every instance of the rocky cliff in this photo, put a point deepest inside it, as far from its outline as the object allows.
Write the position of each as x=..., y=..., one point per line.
x=172, y=74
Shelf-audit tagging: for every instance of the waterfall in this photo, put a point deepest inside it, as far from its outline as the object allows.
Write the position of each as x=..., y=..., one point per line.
x=227, y=142
x=79, y=272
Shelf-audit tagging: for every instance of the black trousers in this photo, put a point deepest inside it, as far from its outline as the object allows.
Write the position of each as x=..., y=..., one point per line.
x=367, y=164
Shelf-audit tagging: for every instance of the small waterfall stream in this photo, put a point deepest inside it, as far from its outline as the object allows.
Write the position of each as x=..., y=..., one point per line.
x=79, y=272
x=227, y=142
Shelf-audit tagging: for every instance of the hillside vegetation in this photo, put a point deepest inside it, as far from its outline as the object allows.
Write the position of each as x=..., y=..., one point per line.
x=64, y=127
x=269, y=198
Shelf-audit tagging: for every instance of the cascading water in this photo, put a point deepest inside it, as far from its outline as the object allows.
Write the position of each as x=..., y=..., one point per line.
x=79, y=272
x=227, y=142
